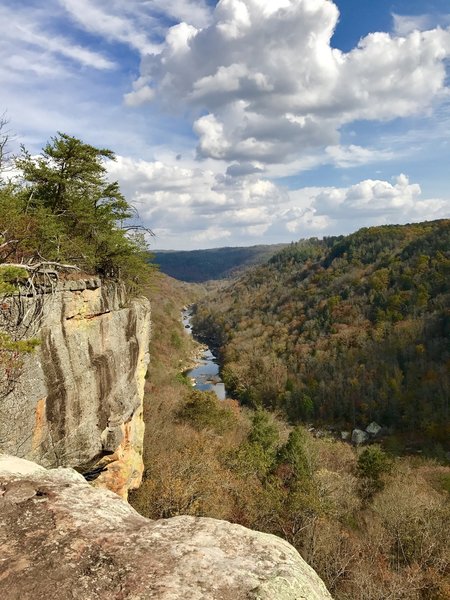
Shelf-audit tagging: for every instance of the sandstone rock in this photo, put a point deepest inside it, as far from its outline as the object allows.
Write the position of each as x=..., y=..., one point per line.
x=373, y=429
x=359, y=437
x=79, y=400
x=61, y=538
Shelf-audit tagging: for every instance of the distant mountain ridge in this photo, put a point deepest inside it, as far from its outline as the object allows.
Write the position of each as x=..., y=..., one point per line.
x=197, y=266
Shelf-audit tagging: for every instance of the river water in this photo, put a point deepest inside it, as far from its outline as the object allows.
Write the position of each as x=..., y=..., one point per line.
x=206, y=373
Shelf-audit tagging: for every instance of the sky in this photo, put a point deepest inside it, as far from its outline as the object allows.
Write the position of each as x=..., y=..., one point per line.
x=243, y=122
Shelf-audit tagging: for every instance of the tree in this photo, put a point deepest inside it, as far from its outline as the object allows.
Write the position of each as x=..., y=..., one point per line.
x=255, y=456
x=292, y=458
x=373, y=464
x=69, y=172
x=67, y=189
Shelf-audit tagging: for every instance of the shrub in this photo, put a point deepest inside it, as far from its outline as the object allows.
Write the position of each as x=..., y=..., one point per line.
x=203, y=410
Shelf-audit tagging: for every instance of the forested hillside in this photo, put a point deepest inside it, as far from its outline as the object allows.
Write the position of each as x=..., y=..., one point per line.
x=344, y=330
x=215, y=263
x=345, y=509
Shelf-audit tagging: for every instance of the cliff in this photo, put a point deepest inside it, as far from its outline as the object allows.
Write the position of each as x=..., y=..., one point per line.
x=61, y=538
x=78, y=400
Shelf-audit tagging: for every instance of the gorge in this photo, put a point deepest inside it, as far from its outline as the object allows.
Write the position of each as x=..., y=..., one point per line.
x=78, y=403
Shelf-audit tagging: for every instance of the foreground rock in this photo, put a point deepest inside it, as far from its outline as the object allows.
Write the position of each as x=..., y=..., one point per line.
x=78, y=401
x=61, y=538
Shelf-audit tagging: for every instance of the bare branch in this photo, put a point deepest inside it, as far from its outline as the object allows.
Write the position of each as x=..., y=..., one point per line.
x=7, y=243
x=138, y=228
x=40, y=265
x=5, y=140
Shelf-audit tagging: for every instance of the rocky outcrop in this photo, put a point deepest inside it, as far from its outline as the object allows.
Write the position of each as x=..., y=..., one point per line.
x=78, y=401
x=61, y=538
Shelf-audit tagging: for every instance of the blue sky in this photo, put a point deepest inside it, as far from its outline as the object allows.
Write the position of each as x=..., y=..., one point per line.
x=243, y=121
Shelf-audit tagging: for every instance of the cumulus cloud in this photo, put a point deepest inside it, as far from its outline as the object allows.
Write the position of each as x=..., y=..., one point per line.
x=214, y=208
x=272, y=86
x=139, y=96
x=375, y=202
x=370, y=197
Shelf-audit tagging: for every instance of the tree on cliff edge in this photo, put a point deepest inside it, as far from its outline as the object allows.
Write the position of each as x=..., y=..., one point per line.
x=68, y=185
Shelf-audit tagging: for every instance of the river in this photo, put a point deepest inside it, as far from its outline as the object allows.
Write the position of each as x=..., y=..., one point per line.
x=206, y=373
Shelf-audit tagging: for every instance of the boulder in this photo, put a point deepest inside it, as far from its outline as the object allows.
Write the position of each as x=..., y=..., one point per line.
x=359, y=437
x=373, y=429
x=62, y=538
x=345, y=435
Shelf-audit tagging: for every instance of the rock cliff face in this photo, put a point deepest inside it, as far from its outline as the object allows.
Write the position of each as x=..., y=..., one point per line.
x=61, y=538
x=78, y=401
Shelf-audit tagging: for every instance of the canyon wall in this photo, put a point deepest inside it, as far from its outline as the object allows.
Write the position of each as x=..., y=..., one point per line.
x=78, y=399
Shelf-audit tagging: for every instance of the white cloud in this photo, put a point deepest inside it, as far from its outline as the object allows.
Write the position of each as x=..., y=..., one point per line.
x=62, y=46
x=212, y=235
x=273, y=87
x=405, y=24
x=196, y=11
x=265, y=94
x=139, y=96
x=375, y=202
x=351, y=156
x=174, y=199
x=38, y=51
x=102, y=21
x=134, y=22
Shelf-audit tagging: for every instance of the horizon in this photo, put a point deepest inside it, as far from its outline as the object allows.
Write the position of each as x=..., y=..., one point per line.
x=243, y=122
x=294, y=241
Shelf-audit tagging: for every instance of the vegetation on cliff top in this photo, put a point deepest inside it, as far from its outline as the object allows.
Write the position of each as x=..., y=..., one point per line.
x=63, y=209
x=343, y=330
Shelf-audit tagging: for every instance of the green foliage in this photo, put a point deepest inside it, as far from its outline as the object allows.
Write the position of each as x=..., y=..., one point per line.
x=66, y=210
x=304, y=489
x=203, y=410
x=181, y=377
x=293, y=457
x=11, y=361
x=176, y=340
x=343, y=330
x=263, y=432
x=7, y=344
x=256, y=455
x=10, y=278
x=372, y=465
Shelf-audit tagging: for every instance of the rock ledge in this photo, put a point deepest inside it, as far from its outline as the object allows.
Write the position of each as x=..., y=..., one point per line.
x=62, y=538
